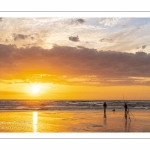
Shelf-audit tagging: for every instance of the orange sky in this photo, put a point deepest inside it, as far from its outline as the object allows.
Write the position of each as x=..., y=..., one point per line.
x=68, y=92
x=74, y=58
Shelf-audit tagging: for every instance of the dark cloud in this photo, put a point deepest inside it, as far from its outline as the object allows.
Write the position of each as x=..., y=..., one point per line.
x=80, y=20
x=74, y=38
x=19, y=37
x=32, y=38
x=144, y=46
x=77, y=21
x=76, y=65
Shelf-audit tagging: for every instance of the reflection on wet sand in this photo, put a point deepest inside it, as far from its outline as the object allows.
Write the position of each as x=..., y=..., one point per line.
x=105, y=115
x=127, y=124
x=35, y=121
x=74, y=121
x=105, y=121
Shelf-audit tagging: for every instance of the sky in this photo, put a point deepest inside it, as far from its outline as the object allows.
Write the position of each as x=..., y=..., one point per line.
x=75, y=58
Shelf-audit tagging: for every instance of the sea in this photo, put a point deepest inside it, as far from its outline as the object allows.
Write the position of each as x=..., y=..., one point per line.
x=71, y=104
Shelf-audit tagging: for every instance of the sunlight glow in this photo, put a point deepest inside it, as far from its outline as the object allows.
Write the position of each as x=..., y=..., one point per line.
x=35, y=89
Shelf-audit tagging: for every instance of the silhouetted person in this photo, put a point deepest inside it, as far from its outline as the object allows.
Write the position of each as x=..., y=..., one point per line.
x=104, y=105
x=126, y=109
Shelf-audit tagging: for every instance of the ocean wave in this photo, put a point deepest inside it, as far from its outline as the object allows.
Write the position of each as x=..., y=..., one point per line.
x=69, y=105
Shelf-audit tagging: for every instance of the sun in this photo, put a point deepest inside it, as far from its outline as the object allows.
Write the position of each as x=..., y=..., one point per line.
x=35, y=89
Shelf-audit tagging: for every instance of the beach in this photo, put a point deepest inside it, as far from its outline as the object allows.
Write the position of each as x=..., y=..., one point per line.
x=74, y=121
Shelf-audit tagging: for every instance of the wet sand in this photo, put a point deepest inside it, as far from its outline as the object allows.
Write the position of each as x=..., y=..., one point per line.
x=74, y=121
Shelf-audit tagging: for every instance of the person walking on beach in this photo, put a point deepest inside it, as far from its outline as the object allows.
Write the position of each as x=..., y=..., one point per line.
x=126, y=109
x=104, y=105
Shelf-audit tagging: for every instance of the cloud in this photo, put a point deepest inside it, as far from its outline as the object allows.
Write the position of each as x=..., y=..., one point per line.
x=77, y=21
x=105, y=40
x=123, y=40
x=144, y=46
x=74, y=38
x=74, y=65
x=46, y=31
x=109, y=21
x=19, y=37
